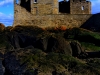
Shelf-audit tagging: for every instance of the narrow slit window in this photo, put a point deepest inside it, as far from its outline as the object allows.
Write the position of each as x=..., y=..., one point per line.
x=82, y=7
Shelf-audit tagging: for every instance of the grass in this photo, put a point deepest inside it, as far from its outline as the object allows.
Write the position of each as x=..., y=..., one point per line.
x=89, y=40
x=90, y=46
x=60, y=63
x=50, y=62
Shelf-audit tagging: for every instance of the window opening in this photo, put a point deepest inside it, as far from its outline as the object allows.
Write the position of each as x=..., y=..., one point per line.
x=82, y=7
x=35, y=1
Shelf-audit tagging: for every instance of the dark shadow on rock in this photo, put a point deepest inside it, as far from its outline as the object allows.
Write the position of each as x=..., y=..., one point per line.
x=18, y=40
x=93, y=23
x=77, y=50
x=93, y=54
x=1, y=55
x=12, y=65
x=35, y=72
x=89, y=39
x=25, y=41
x=54, y=73
x=41, y=43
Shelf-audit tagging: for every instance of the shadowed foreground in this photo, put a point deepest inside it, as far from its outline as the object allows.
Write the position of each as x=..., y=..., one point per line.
x=26, y=50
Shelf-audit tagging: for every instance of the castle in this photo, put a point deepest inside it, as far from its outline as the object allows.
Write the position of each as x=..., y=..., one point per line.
x=51, y=13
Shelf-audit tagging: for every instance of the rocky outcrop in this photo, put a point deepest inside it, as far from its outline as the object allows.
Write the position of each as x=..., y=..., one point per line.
x=59, y=45
x=42, y=52
x=20, y=40
x=54, y=44
x=77, y=50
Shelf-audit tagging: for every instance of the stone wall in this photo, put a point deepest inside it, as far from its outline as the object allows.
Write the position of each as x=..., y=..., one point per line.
x=21, y=13
x=23, y=17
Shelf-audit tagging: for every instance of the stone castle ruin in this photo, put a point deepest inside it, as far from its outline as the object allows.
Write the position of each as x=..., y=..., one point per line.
x=51, y=13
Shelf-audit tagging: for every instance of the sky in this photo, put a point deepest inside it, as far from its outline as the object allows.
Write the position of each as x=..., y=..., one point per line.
x=7, y=10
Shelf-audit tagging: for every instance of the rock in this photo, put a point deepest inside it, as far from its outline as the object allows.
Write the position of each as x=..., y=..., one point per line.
x=59, y=45
x=12, y=65
x=20, y=40
x=8, y=28
x=2, y=27
x=41, y=43
x=2, y=69
x=27, y=40
x=95, y=54
x=77, y=50
x=13, y=39
x=1, y=55
x=63, y=73
x=35, y=72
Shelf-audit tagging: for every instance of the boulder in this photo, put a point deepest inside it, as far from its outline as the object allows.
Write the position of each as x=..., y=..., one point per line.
x=53, y=44
x=77, y=50
x=59, y=45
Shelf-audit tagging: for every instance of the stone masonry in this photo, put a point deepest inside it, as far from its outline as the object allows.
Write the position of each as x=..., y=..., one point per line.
x=51, y=13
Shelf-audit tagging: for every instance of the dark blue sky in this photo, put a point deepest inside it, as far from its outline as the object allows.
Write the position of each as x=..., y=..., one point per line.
x=7, y=10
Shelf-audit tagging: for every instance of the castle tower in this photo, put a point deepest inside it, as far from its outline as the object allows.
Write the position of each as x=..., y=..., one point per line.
x=80, y=7
x=40, y=7
x=55, y=7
